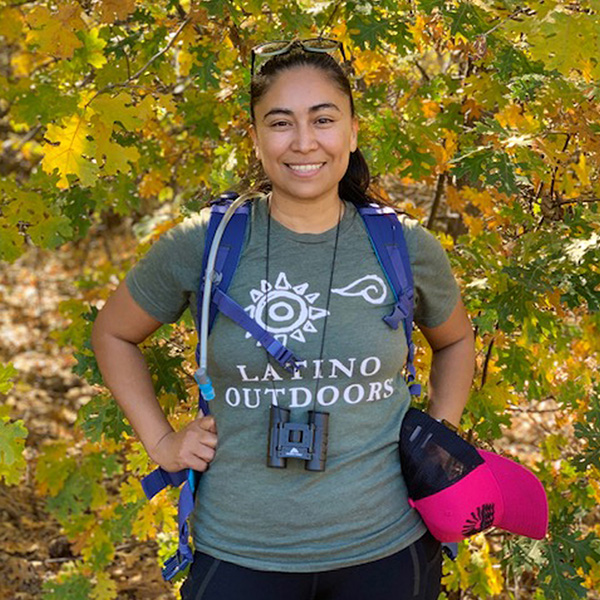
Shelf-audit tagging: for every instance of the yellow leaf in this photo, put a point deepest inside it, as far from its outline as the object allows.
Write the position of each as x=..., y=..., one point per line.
x=116, y=10
x=144, y=527
x=138, y=460
x=471, y=108
x=151, y=185
x=582, y=170
x=454, y=199
x=474, y=224
x=68, y=155
x=430, y=108
x=117, y=108
x=54, y=32
x=509, y=116
x=131, y=491
x=53, y=468
x=185, y=61
x=115, y=157
x=96, y=542
x=483, y=199
x=105, y=587
x=95, y=44
x=11, y=24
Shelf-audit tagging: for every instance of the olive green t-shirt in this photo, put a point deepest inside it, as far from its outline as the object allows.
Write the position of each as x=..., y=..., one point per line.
x=292, y=519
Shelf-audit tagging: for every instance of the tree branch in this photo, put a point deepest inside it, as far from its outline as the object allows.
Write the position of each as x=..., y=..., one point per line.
x=436, y=200
x=578, y=201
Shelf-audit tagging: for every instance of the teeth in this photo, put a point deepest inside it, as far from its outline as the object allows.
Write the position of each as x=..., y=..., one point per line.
x=306, y=168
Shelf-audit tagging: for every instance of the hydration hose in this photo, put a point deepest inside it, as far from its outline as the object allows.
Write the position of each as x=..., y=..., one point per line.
x=201, y=375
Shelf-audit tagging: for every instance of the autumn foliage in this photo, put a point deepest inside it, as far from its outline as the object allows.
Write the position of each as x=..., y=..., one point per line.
x=480, y=118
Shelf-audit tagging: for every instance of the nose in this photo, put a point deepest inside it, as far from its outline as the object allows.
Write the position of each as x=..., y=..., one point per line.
x=305, y=139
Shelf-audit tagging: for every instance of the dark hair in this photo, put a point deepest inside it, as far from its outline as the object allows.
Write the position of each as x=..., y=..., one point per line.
x=356, y=182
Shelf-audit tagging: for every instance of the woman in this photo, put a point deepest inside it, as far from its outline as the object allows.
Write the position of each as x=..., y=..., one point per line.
x=347, y=532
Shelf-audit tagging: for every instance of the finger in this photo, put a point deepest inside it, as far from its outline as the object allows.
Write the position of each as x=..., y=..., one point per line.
x=208, y=439
x=205, y=453
x=208, y=423
x=197, y=464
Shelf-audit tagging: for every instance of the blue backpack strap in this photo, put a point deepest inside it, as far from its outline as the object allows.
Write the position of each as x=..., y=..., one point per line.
x=389, y=245
x=227, y=259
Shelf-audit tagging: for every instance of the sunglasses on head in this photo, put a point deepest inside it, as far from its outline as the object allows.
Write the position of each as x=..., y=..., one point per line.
x=269, y=49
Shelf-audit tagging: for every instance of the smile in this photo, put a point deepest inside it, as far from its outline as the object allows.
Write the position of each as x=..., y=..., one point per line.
x=306, y=169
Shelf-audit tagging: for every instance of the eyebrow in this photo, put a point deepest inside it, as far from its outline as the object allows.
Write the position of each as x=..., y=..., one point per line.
x=312, y=109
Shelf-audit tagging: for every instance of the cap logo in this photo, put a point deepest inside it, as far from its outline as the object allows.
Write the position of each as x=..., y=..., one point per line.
x=481, y=519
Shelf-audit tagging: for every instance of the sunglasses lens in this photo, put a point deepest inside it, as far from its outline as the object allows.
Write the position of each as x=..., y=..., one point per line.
x=321, y=44
x=269, y=48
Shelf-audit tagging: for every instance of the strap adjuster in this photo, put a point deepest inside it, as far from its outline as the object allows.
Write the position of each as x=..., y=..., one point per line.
x=174, y=565
x=284, y=356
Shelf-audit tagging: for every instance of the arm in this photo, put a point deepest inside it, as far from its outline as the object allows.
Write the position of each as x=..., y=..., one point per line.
x=119, y=327
x=452, y=365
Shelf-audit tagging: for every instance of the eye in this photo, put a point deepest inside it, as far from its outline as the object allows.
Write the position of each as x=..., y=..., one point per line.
x=279, y=124
x=324, y=120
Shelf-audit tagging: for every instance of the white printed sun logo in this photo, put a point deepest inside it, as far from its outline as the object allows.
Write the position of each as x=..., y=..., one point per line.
x=285, y=310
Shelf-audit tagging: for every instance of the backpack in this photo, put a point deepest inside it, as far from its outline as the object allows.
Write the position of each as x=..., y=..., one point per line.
x=389, y=245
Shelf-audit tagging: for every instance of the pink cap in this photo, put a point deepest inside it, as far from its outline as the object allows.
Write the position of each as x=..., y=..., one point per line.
x=499, y=493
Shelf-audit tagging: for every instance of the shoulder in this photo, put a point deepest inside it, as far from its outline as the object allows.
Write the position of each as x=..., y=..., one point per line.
x=421, y=243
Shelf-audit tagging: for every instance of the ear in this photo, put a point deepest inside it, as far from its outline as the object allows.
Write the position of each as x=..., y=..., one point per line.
x=354, y=135
x=254, y=137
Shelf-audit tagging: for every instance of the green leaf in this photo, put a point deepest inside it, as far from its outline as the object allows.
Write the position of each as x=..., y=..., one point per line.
x=367, y=30
x=42, y=103
x=51, y=232
x=102, y=416
x=7, y=372
x=75, y=586
x=204, y=69
x=466, y=20
x=589, y=432
x=165, y=370
x=12, y=443
x=567, y=553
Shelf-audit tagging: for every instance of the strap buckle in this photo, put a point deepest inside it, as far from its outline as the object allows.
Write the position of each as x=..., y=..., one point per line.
x=400, y=312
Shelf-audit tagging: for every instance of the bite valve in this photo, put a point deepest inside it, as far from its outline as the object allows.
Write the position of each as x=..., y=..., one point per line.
x=204, y=384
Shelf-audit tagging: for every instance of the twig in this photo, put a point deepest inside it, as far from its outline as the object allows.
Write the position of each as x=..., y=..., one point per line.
x=330, y=19
x=488, y=356
x=532, y=410
x=552, y=184
x=578, y=201
x=511, y=16
x=436, y=200
x=141, y=71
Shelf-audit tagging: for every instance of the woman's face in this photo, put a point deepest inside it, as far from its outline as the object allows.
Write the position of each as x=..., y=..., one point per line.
x=303, y=134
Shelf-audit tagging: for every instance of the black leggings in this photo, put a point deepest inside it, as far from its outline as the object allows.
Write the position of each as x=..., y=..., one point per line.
x=413, y=573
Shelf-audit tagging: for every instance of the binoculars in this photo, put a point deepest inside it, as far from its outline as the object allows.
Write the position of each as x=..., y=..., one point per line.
x=297, y=440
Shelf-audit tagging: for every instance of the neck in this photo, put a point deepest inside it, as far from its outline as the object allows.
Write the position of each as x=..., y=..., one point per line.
x=306, y=216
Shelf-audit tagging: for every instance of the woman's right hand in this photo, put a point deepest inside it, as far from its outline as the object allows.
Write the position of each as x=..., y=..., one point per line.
x=193, y=447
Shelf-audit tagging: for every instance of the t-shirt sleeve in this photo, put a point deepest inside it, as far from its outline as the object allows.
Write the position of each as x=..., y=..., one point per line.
x=162, y=281
x=436, y=289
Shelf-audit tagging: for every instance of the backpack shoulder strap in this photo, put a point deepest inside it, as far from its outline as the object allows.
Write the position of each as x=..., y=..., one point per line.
x=227, y=260
x=389, y=245
x=230, y=248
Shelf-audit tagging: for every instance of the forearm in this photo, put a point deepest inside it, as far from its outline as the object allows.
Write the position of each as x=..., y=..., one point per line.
x=126, y=375
x=450, y=379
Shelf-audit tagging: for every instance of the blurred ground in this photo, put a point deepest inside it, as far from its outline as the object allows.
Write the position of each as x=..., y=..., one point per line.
x=47, y=396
